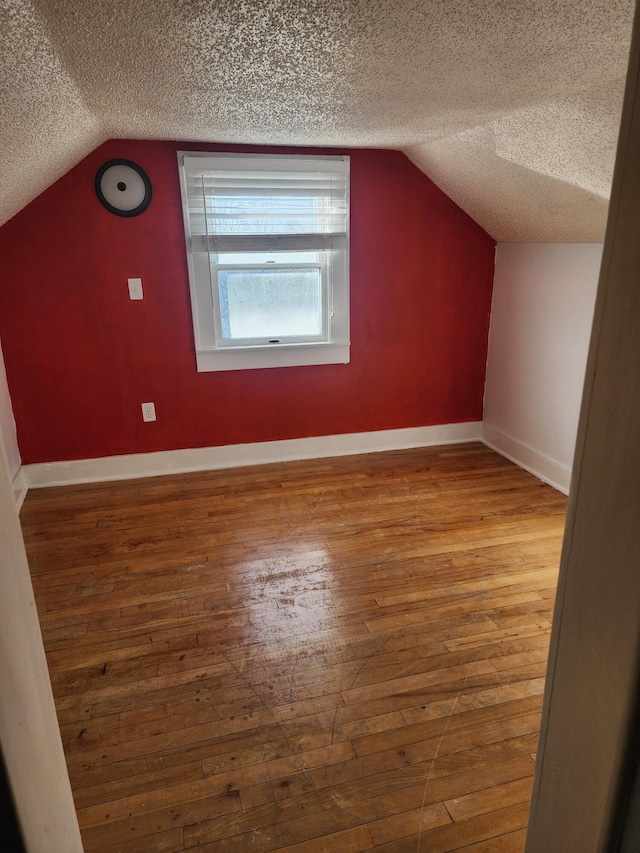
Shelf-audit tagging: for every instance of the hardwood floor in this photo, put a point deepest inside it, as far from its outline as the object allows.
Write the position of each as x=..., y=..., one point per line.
x=337, y=655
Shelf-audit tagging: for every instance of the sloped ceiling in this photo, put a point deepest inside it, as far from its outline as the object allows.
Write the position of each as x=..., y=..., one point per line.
x=511, y=106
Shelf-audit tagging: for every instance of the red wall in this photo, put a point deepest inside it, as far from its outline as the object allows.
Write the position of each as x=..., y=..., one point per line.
x=81, y=357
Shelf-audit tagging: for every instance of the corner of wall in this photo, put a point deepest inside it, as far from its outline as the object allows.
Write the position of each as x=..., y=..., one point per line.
x=543, y=467
x=20, y=487
x=9, y=436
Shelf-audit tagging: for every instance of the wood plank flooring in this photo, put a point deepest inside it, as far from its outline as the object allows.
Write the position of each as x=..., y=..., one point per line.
x=338, y=655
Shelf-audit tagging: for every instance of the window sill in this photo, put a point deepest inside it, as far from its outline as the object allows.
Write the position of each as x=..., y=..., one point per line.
x=255, y=358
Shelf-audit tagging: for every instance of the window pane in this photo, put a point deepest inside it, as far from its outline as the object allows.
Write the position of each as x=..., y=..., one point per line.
x=265, y=211
x=270, y=303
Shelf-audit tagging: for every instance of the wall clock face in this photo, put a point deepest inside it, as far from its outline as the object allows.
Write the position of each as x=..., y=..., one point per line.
x=123, y=187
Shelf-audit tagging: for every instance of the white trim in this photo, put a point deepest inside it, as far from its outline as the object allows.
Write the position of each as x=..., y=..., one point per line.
x=237, y=455
x=287, y=355
x=20, y=487
x=543, y=467
x=212, y=353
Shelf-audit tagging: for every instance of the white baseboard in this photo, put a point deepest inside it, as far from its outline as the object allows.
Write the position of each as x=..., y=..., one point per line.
x=543, y=467
x=20, y=487
x=237, y=455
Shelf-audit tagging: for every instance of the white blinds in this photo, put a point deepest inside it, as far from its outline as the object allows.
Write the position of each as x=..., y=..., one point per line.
x=251, y=203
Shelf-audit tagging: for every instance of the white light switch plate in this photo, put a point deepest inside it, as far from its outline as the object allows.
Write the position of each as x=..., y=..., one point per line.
x=135, y=288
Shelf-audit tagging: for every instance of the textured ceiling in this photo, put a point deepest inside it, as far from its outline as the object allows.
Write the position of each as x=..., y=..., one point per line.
x=511, y=106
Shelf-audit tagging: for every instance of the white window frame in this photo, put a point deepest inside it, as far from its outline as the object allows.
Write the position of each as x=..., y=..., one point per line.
x=213, y=353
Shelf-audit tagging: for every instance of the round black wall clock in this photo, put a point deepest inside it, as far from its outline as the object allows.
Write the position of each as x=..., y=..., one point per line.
x=123, y=187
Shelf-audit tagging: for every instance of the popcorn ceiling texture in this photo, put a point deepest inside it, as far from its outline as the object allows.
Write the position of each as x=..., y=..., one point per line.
x=45, y=127
x=511, y=106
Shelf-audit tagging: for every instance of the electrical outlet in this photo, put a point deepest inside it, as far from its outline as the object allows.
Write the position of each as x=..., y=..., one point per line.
x=148, y=411
x=135, y=288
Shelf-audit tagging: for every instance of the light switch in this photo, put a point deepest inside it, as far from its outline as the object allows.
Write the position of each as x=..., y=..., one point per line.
x=135, y=288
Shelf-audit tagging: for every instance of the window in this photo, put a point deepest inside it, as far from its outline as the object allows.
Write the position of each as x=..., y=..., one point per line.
x=267, y=244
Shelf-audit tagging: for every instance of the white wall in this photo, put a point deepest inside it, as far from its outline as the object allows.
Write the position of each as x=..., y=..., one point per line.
x=543, y=301
x=8, y=432
x=29, y=733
